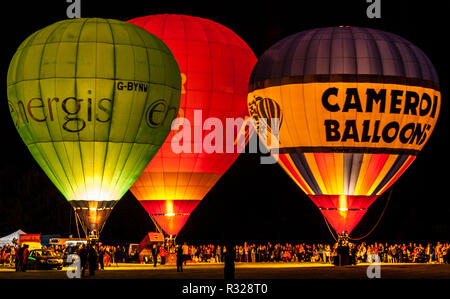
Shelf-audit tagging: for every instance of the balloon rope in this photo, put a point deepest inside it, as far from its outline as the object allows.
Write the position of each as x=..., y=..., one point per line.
x=379, y=219
x=156, y=225
x=81, y=223
x=76, y=222
x=329, y=228
x=103, y=225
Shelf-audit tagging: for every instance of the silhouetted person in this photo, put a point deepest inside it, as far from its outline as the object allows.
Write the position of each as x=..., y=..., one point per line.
x=185, y=248
x=83, y=253
x=92, y=260
x=180, y=258
x=24, y=258
x=228, y=269
x=18, y=258
x=154, y=254
x=101, y=256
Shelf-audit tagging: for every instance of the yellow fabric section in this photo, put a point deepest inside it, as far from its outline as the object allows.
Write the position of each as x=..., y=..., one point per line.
x=360, y=113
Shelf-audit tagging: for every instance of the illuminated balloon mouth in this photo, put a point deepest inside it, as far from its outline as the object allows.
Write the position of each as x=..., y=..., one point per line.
x=93, y=214
x=340, y=209
x=171, y=214
x=343, y=212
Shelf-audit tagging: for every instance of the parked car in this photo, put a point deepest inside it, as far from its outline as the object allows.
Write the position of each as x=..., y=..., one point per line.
x=44, y=259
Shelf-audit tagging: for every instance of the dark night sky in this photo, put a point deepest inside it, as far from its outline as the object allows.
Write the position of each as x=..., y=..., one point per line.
x=251, y=201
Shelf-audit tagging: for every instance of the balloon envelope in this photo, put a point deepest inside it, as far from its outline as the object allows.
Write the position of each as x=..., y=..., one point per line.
x=93, y=100
x=215, y=66
x=356, y=105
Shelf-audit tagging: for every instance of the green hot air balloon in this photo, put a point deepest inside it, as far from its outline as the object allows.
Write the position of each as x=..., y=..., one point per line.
x=93, y=100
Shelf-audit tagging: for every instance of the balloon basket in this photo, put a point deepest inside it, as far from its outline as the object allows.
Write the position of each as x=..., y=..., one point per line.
x=93, y=236
x=343, y=257
x=169, y=241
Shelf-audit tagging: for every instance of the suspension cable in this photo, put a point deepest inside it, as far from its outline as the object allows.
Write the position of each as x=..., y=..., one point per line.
x=379, y=219
x=76, y=222
x=82, y=226
x=329, y=228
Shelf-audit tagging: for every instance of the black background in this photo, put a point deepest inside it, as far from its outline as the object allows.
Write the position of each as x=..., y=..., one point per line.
x=251, y=202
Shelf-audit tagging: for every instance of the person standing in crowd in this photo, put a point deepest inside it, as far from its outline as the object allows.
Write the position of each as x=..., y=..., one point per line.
x=101, y=256
x=162, y=254
x=245, y=252
x=18, y=258
x=185, y=253
x=83, y=253
x=108, y=256
x=228, y=268
x=253, y=253
x=154, y=254
x=180, y=258
x=92, y=259
x=327, y=252
x=24, y=258
x=218, y=254
x=240, y=254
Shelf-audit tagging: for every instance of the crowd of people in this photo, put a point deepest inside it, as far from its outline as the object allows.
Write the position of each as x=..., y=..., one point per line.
x=322, y=253
x=98, y=256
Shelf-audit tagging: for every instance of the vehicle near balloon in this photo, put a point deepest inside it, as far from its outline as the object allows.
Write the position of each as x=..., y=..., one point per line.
x=215, y=65
x=357, y=105
x=93, y=100
x=44, y=259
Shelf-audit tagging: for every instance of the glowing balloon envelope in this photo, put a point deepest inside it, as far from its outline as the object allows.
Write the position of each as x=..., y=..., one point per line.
x=356, y=105
x=93, y=100
x=215, y=67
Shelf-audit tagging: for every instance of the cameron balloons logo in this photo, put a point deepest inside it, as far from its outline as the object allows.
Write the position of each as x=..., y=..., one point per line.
x=266, y=112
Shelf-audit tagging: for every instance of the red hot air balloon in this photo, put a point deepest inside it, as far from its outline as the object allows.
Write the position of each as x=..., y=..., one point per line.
x=215, y=64
x=356, y=106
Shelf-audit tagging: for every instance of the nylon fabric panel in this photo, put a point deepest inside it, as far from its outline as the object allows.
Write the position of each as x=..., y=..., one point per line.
x=301, y=165
x=174, y=186
x=315, y=171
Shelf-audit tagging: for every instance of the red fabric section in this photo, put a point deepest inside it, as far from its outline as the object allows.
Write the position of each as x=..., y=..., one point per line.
x=178, y=206
x=215, y=65
x=343, y=220
x=171, y=225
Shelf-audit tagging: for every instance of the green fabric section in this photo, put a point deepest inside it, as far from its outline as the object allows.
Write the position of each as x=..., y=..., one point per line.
x=81, y=94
